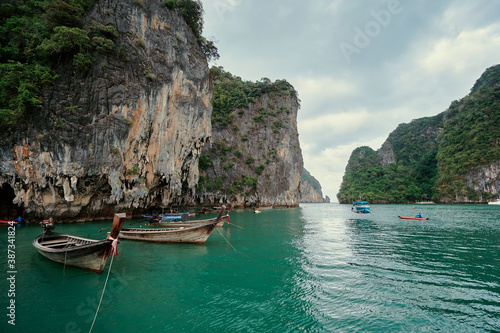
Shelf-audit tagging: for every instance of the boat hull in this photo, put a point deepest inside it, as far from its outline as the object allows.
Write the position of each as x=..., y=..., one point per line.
x=361, y=207
x=90, y=255
x=191, y=223
x=413, y=218
x=193, y=234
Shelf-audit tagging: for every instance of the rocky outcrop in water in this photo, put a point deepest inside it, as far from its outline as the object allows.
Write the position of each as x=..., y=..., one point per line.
x=123, y=135
x=254, y=156
x=310, y=189
x=453, y=157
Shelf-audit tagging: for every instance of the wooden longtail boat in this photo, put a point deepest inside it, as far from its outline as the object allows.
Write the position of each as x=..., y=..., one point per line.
x=156, y=222
x=413, y=218
x=208, y=210
x=78, y=252
x=185, y=224
x=197, y=234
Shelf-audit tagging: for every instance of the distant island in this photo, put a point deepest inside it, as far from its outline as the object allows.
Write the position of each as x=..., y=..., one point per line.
x=453, y=157
x=310, y=189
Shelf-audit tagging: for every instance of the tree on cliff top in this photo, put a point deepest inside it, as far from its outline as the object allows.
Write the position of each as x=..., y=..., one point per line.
x=192, y=12
x=438, y=156
x=36, y=35
x=232, y=93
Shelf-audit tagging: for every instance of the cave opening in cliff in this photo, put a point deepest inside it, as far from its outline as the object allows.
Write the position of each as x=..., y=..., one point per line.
x=8, y=210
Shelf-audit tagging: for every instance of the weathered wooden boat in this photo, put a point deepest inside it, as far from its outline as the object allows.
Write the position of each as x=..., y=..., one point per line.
x=184, y=216
x=197, y=234
x=209, y=210
x=169, y=216
x=76, y=251
x=413, y=218
x=185, y=224
x=156, y=222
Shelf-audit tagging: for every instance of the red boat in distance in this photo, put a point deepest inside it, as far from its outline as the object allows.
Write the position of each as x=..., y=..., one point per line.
x=413, y=218
x=11, y=222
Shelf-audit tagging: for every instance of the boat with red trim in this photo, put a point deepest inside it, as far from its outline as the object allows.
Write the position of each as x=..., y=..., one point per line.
x=413, y=218
x=12, y=222
x=88, y=254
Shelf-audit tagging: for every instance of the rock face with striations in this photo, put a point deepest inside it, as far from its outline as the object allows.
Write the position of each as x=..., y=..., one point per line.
x=124, y=134
x=453, y=157
x=310, y=189
x=254, y=156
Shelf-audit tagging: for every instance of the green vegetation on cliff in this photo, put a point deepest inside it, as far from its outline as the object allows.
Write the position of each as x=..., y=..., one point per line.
x=192, y=12
x=307, y=177
x=38, y=36
x=434, y=156
x=249, y=122
x=489, y=79
x=367, y=179
x=231, y=93
x=22, y=70
x=471, y=138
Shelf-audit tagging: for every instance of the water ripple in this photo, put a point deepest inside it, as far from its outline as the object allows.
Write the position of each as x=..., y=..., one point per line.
x=378, y=274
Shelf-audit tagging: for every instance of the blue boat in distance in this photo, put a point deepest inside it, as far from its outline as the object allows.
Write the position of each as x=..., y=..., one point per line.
x=361, y=207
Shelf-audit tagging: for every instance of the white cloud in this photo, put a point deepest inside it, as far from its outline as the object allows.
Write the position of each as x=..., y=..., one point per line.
x=324, y=88
x=429, y=55
x=457, y=55
x=329, y=165
x=338, y=124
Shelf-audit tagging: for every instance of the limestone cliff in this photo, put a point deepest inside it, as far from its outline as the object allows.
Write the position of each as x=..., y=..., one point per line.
x=485, y=179
x=124, y=134
x=453, y=157
x=310, y=189
x=254, y=156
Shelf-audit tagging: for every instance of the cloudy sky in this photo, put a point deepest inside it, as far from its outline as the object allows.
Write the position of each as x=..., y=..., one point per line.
x=361, y=67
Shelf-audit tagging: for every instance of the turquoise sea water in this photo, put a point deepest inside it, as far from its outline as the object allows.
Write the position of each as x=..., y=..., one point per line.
x=317, y=268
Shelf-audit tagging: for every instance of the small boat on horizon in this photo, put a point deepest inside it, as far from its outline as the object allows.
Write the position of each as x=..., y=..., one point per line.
x=361, y=207
x=12, y=222
x=413, y=218
x=88, y=254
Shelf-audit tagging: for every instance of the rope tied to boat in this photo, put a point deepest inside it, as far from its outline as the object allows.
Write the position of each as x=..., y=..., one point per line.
x=103, y=290
x=114, y=245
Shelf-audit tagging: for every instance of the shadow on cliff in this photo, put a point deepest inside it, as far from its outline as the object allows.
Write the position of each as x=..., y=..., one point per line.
x=7, y=209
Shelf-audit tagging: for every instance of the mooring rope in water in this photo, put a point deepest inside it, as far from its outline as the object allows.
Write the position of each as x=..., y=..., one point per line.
x=64, y=267
x=226, y=240
x=103, y=290
x=234, y=225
